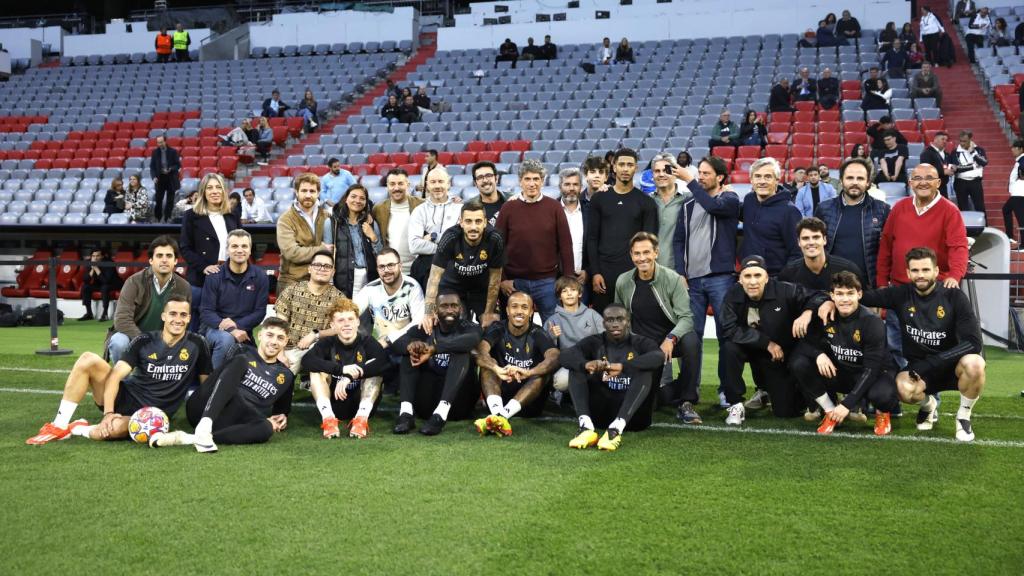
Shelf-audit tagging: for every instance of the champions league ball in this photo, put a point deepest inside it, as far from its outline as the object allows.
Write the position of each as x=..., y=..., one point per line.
x=146, y=422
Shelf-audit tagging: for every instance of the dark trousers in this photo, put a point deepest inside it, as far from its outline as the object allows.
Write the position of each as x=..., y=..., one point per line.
x=973, y=41
x=425, y=388
x=772, y=377
x=931, y=47
x=163, y=201
x=881, y=393
x=969, y=190
x=104, y=290
x=716, y=142
x=592, y=397
x=161, y=58
x=346, y=409
x=610, y=271
x=685, y=388
x=1014, y=206
x=182, y=56
x=507, y=58
x=234, y=422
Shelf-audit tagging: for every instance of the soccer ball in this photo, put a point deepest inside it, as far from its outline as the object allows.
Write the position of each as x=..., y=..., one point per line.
x=147, y=421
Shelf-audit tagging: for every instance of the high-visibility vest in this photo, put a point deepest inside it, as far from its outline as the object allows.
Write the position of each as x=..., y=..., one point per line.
x=181, y=40
x=163, y=43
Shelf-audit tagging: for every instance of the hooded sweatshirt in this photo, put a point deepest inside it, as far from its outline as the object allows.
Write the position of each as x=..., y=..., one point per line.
x=575, y=325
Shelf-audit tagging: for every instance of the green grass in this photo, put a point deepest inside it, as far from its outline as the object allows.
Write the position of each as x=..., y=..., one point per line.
x=671, y=500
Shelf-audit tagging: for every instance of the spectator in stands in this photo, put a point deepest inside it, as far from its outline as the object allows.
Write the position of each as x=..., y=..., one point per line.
x=894, y=61
x=254, y=210
x=184, y=205
x=204, y=235
x=609, y=161
x=507, y=52
x=830, y=20
x=976, y=32
x=265, y=140
x=604, y=51
x=1014, y=205
x=892, y=161
x=308, y=111
x=532, y=51
x=485, y=178
x=421, y=99
x=143, y=296
x=915, y=57
x=357, y=241
x=137, y=201
x=907, y=35
x=181, y=42
x=848, y=27
x=925, y=84
x=274, y=107
x=243, y=135
x=798, y=176
x=164, y=164
x=804, y=88
x=965, y=9
x=876, y=92
x=825, y=174
x=999, y=33
x=392, y=215
x=877, y=132
x=408, y=111
x=113, y=202
x=334, y=184
x=752, y=131
x=407, y=91
x=828, y=89
x=825, y=36
x=393, y=88
x=724, y=132
x=234, y=301
x=301, y=232
x=163, y=44
x=1018, y=34
x=931, y=31
x=887, y=36
x=235, y=203
x=769, y=219
x=429, y=166
x=812, y=193
x=538, y=243
x=778, y=101
x=429, y=221
x=548, y=50
x=859, y=151
x=389, y=112
x=578, y=217
x=102, y=279
x=969, y=166
x=624, y=52
x=936, y=156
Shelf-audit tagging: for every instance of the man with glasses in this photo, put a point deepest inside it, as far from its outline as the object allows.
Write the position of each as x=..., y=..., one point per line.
x=485, y=177
x=306, y=307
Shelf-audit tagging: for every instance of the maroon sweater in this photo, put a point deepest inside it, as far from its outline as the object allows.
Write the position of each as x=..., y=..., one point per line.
x=538, y=244
x=941, y=228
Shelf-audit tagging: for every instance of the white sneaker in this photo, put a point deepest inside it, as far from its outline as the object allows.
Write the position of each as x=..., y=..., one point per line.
x=759, y=400
x=205, y=444
x=926, y=416
x=164, y=439
x=964, y=430
x=737, y=414
x=812, y=416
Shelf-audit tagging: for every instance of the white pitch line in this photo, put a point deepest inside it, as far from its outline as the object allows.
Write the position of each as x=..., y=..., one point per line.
x=40, y=370
x=31, y=391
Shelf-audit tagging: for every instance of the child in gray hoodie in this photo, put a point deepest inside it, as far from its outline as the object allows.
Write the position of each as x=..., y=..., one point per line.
x=571, y=322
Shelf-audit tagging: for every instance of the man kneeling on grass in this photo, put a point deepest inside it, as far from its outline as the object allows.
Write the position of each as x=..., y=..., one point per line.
x=516, y=360
x=849, y=356
x=156, y=370
x=610, y=380
x=244, y=401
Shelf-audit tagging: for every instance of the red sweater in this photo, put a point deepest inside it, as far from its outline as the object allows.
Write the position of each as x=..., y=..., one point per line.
x=538, y=243
x=941, y=228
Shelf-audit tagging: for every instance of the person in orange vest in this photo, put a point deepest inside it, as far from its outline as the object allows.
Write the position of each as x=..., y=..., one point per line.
x=163, y=46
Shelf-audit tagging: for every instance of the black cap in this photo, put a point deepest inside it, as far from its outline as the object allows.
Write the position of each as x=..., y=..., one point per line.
x=751, y=261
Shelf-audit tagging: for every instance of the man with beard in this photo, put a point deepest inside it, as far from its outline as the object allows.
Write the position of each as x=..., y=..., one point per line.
x=485, y=177
x=305, y=306
x=578, y=217
x=335, y=183
x=301, y=231
x=516, y=360
x=614, y=219
x=391, y=304
x=610, y=379
x=242, y=402
x=392, y=215
x=342, y=365
x=435, y=370
x=769, y=218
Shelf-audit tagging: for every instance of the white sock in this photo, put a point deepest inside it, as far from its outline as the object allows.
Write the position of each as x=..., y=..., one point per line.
x=365, y=407
x=405, y=408
x=82, y=431
x=442, y=410
x=324, y=406
x=825, y=402
x=187, y=439
x=494, y=404
x=924, y=403
x=512, y=408
x=585, y=422
x=204, y=427
x=64, y=413
x=966, y=406
x=618, y=424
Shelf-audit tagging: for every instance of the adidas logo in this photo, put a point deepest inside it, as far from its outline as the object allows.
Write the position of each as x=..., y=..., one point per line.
x=152, y=356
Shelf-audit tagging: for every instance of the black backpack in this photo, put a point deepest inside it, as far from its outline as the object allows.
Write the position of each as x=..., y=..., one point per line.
x=40, y=316
x=8, y=317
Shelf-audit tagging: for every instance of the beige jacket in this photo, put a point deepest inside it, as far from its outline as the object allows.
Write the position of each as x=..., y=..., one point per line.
x=297, y=243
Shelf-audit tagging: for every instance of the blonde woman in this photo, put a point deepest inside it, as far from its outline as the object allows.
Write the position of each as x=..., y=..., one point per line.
x=204, y=232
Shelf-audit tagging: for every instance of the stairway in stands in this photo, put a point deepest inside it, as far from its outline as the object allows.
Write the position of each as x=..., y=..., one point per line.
x=966, y=107
x=426, y=50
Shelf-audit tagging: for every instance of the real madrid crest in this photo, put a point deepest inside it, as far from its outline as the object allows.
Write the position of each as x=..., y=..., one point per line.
x=856, y=336
x=280, y=379
x=940, y=312
x=483, y=254
x=183, y=355
x=359, y=356
x=629, y=356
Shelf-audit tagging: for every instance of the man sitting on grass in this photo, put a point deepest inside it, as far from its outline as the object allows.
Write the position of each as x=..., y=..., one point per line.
x=156, y=370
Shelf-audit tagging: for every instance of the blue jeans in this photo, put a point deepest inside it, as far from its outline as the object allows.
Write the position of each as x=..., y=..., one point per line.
x=543, y=294
x=711, y=290
x=117, y=346
x=220, y=342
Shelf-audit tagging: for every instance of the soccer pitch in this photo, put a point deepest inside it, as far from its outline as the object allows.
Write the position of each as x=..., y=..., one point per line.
x=770, y=498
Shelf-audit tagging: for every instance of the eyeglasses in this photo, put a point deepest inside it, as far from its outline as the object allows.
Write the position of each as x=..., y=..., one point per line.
x=485, y=177
x=322, y=266
x=390, y=266
x=923, y=178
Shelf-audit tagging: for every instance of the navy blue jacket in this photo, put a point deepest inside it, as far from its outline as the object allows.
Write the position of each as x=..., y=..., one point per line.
x=243, y=300
x=769, y=230
x=199, y=245
x=725, y=213
x=873, y=220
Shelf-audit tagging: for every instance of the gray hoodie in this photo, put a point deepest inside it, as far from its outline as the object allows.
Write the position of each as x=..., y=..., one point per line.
x=575, y=325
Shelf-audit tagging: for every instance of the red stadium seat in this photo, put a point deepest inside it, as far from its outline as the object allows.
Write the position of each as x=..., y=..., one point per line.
x=829, y=150
x=488, y=156
x=227, y=165
x=385, y=167
x=933, y=124
x=207, y=162
x=44, y=164
x=377, y=158
x=476, y=146
x=747, y=152
x=914, y=136
x=804, y=128
x=498, y=146
x=519, y=145
x=851, y=138
x=778, y=137
x=830, y=128
x=280, y=135
x=411, y=168
x=833, y=162
x=724, y=152
x=781, y=117
x=802, y=150
x=803, y=139
x=294, y=125
x=778, y=151
x=831, y=137
x=739, y=177
x=399, y=157
x=465, y=158
x=800, y=162
x=445, y=158
x=828, y=115
x=804, y=115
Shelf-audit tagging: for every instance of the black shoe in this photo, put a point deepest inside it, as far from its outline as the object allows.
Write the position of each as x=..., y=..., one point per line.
x=433, y=426
x=104, y=318
x=88, y=316
x=404, y=424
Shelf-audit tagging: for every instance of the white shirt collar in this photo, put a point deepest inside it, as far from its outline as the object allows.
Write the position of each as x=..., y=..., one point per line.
x=929, y=206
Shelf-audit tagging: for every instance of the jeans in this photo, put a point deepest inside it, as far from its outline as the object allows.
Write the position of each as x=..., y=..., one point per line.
x=118, y=344
x=711, y=290
x=219, y=341
x=543, y=293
